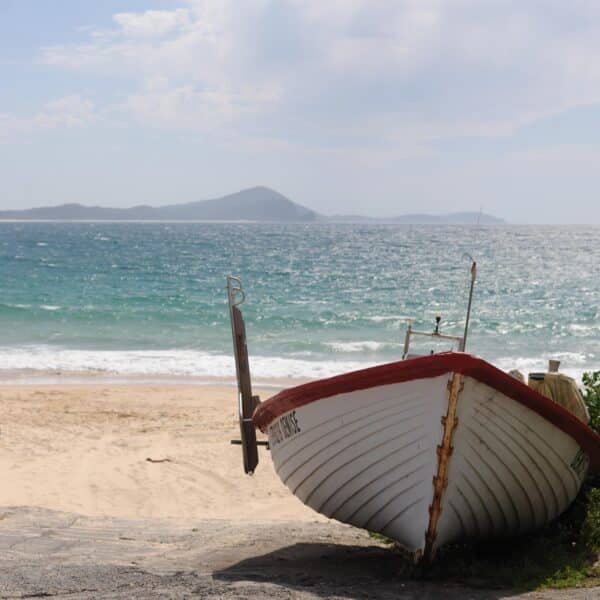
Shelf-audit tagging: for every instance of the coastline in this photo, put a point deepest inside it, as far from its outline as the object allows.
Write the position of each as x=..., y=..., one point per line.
x=284, y=377
x=31, y=377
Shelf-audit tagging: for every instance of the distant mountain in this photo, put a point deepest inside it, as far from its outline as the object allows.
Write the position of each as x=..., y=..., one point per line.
x=254, y=204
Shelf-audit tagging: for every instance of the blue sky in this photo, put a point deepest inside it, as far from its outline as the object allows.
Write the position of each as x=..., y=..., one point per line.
x=346, y=106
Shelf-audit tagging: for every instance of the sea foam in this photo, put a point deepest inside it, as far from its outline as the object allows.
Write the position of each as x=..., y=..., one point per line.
x=168, y=363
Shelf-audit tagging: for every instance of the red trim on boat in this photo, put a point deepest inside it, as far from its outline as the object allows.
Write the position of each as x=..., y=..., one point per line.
x=426, y=367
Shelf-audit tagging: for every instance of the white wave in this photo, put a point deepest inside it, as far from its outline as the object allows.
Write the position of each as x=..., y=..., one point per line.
x=156, y=364
x=382, y=318
x=50, y=307
x=41, y=244
x=21, y=306
x=172, y=363
x=567, y=357
x=584, y=329
x=572, y=363
x=368, y=346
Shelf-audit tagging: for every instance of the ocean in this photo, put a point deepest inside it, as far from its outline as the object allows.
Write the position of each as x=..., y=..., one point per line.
x=148, y=300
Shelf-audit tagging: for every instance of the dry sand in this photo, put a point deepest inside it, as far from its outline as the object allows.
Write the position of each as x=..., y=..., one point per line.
x=85, y=514
x=86, y=448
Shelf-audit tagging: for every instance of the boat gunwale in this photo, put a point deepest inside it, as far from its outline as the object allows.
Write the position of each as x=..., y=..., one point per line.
x=427, y=367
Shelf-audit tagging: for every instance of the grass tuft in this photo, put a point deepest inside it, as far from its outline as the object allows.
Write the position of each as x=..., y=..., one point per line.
x=381, y=538
x=591, y=391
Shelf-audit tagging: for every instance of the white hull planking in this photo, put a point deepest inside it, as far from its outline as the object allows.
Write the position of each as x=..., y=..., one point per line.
x=510, y=470
x=369, y=458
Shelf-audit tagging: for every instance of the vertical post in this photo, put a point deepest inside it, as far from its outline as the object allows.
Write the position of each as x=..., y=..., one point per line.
x=246, y=401
x=473, y=277
x=407, y=338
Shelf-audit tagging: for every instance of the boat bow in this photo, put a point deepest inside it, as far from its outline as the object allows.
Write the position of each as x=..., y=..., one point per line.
x=429, y=450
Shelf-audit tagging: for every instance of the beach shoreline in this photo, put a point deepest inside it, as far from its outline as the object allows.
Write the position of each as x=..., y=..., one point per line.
x=31, y=377
x=268, y=385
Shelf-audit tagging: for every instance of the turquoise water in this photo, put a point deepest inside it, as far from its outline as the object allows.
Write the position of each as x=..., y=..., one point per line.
x=142, y=299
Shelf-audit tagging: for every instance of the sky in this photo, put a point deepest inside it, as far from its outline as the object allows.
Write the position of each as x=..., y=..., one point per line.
x=372, y=107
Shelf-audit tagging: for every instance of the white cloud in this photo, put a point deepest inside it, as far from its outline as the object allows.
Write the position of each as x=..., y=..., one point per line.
x=412, y=70
x=152, y=23
x=186, y=107
x=67, y=112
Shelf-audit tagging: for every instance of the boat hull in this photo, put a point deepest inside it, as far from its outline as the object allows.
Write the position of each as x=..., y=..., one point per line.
x=511, y=471
x=425, y=460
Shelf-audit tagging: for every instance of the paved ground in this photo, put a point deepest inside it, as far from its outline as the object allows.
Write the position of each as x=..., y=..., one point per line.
x=50, y=554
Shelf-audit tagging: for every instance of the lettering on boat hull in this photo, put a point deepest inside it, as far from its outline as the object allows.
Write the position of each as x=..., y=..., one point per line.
x=284, y=428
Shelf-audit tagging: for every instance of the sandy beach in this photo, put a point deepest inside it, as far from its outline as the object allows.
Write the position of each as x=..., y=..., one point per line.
x=121, y=491
x=134, y=451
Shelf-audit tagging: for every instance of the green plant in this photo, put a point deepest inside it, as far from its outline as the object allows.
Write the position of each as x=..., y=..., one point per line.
x=591, y=525
x=591, y=395
x=381, y=538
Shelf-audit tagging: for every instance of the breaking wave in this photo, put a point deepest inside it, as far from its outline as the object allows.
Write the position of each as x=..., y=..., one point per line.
x=167, y=363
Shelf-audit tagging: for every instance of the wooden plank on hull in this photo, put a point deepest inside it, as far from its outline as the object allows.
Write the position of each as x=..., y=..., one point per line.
x=444, y=452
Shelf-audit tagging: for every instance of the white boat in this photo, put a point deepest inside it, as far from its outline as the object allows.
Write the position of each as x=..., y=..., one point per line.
x=427, y=451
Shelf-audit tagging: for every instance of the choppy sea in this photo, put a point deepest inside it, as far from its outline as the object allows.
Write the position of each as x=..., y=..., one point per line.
x=148, y=299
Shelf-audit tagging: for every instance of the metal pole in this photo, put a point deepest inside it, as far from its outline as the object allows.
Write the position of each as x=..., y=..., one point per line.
x=407, y=338
x=473, y=277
